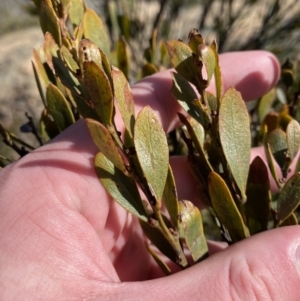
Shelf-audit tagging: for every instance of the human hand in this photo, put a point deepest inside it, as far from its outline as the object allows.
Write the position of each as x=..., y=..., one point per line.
x=63, y=238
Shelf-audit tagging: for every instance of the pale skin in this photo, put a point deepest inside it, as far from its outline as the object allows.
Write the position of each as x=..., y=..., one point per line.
x=63, y=238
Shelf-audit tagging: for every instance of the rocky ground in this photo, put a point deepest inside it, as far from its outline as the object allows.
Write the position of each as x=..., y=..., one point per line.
x=19, y=34
x=18, y=92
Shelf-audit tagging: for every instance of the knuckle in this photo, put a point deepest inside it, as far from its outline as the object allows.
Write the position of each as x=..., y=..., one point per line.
x=250, y=280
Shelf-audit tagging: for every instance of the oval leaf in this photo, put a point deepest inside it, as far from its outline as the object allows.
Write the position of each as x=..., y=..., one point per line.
x=293, y=138
x=291, y=220
x=164, y=267
x=37, y=74
x=87, y=52
x=289, y=198
x=104, y=141
x=158, y=238
x=82, y=106
x=234, y=128
x=265, y=104
x=95, y=30
x=197, y=135
x=208, y=58
x=170, y=198
x=182, y=59
x=76, y=11
x=278, y=146
x=59, y=107
x=48, y=127
x=40, y=68
x=191, y=224
x=68, y=58
x=49, y=21
x=225, y=208
x=186, y=96
x=100, y=91
x=148, y=69
x=218, y=77
x=213, y=102
x=258, y=205
x=124, y=99
x=152, y=150
x=106, y=66
x=123, y=56
x=196, y=41
x=122, y=188
x=270, y=158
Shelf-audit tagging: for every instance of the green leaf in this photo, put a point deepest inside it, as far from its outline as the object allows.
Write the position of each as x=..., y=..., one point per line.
x=270, y=159
x=124, y=25
x=76, y=11
x=105, y=143
x=55, y=62
x=186, y=96
x=278, y=145
x=297, y=167
x=124, y=99
x=291, y=220
x=235, y=136
x=123, y=57
x=198, y=130
x=258, y=205
x=95, y=30
x=297, y=111
x=191, y=224
x=59, y=108
x=158, y=238
x=49, y=21
x=218, y=77
x=106, y=67
x=65, y=4
x=202, y=190
x=287, y=73
x=197, y=135
x=293, y=138
x=284, y=118
x=196, y=41
x=289, y=198
x=148, y=69
x=225, y=208
x=213, y=102
x=40, y=68
x=78, y=32
x=182, y=60
x=48, y=127
x=208, y=58
x=37, y=3
x=122, y=188
x=159, y=261
x=82, y=106
x=87, y=52
x=38, y=82
x=164, y=58
x=152, y=150
x=51, y=50
x=68, y=58
x=170, y=198
x=100, y=91
x=271, y=121
x=265, y=104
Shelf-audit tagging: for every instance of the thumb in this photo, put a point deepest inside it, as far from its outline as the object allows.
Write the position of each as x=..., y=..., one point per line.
x=263, y=267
